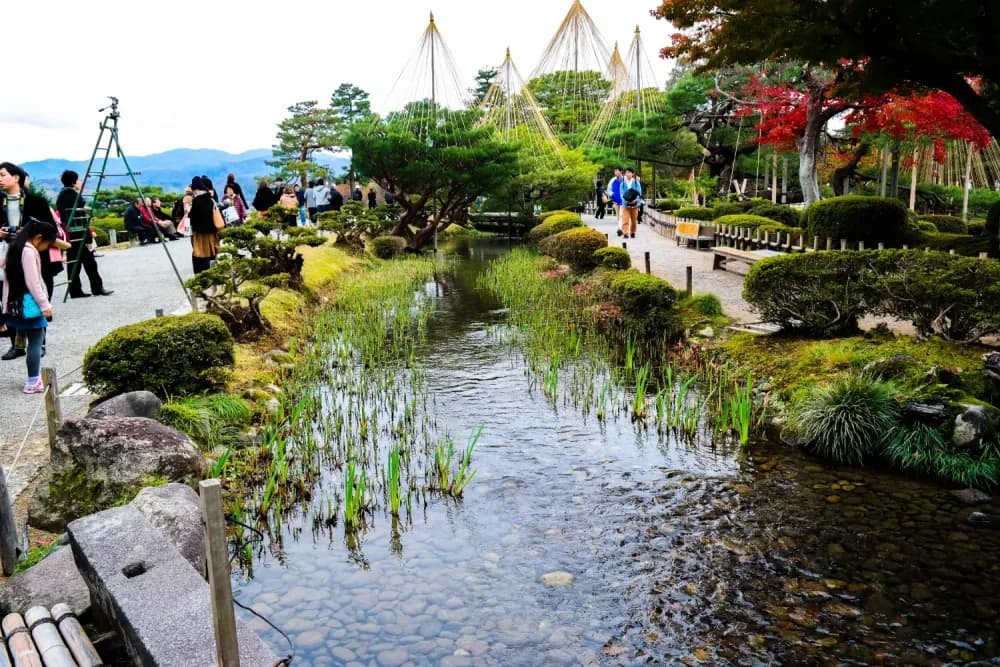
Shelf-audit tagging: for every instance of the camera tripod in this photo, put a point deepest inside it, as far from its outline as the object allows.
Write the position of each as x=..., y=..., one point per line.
x=78, y=223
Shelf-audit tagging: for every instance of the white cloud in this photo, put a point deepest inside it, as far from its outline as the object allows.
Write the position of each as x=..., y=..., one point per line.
x=221, y=74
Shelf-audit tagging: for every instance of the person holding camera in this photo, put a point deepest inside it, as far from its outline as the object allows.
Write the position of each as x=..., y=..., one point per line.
x=25, y=300
x=17, y=206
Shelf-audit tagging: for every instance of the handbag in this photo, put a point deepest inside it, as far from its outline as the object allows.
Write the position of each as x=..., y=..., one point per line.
x=230, y=215
x=29, y=308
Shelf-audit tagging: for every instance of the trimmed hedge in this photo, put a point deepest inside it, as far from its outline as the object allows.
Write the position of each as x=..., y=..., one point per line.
x=668, y=205
x=786, y=215
x=614, y=258
x=857, y=218
x=949, y=224
x=826, y=293
x=749, y=221
x=927, y=226
x=542, y=217
x=732, y=208
x=555, y=224
x=577, y=247
x=962, y=244
x=387, y=247
x=647, y=302
x=169, y=356
x=819, y=293
x=977, y=228
x=695, y=213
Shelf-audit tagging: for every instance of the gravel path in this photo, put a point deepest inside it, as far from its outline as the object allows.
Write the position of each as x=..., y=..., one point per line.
x=669, y=261
x=143, y=281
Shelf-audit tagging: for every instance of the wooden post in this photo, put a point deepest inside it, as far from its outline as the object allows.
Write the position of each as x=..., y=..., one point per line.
x=984, y=255
x=951, y=252
x=689, y=280
x=47, y=639
x=22, y=649
x=861, y=245
x=815, y=243
x=648, y=267
x=829, y=243
x=906, y=247
x=8, y=530
x=227, y=649
x=113, y=237
x=159, y=311
x=76, y=638
x=881, y=245
x=843, y=244
x=624, y=245
x=53, y=411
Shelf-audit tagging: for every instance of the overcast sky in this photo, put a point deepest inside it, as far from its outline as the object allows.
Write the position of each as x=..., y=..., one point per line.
x=212, y=74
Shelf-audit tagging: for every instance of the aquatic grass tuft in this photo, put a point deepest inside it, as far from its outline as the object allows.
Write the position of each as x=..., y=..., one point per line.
x=847, y=420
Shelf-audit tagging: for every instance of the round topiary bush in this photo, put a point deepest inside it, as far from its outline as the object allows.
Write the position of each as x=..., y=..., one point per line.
x=614, y=258
x=927, y=226
x=387, y=247
x=647, y=304
x=857, y=218
x=949, y=224
x=542, y=217
x=847, y=421
x=695, y=213
x=576, y=247
x=786, y=215
x=169, y=356
x=554, y=224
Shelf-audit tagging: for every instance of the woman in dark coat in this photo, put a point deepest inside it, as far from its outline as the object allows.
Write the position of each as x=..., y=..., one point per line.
x=265, y=197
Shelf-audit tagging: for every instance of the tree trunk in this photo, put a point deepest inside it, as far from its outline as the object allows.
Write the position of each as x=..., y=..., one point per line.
x=809, y=143
x=842, y=175
x=967, y=184
x=913, y=179
x=894, y=181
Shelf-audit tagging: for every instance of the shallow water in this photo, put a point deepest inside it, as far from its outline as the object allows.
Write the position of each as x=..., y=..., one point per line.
x=678, y=554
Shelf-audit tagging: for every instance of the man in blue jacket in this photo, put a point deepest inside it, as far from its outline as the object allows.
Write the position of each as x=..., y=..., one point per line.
x=615, y=192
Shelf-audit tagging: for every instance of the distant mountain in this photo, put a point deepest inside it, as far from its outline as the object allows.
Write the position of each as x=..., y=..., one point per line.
x=172, y=170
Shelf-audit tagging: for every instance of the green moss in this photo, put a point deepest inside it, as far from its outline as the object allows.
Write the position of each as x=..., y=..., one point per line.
x=36, y=555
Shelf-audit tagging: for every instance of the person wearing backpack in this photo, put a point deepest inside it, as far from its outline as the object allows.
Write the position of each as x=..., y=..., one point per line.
x=631, y=192
x=614, y=193
x=206, y=221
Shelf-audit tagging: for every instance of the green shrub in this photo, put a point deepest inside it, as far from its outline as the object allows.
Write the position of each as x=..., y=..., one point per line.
x=647, y=302
x=668, y=205
x=962, y=244
x=614, y=258
x=786, y=215
x=949, y=224
x=101, y=238
x=732, y=208
x=846, y=421
x=211, y=421
x=922, y=448
x=977, y=228
x=542, y=217
x=705, y=304
x=993, y=220
x=955, y=297
x=820, y=293
x=169, y=356
x=857, y=218
x=695, y=213
x=109, y=222
x=749, y=221
x=927, y=226
x=554, y=224
x=576, y=247
x=387, y=247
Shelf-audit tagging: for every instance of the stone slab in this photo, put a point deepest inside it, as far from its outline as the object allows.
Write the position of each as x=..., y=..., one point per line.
x=51, y=581
x=158, y=602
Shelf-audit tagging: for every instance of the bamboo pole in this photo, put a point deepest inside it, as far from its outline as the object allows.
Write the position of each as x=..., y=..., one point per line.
x=967, y=184
x=227, y=650
x=8, y=530
x=913, y=179
x=22, y=649
x=53, y=411
x=885, y=173
x=47, y=638
x=76, y=638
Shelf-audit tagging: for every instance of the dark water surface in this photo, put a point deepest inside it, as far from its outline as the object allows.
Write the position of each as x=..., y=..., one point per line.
x=678, y=554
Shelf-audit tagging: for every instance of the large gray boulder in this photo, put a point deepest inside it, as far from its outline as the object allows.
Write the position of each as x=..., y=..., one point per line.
x=175, y=510
x=53, y=580
x=132, y=404
x=97, y=463
x=974, y=426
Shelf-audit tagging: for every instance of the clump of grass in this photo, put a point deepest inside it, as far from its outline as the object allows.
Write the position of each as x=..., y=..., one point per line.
x=847, y=420
x=446, y=480
x=355, y=485
x=922, y=448
x=212, y=421
x=639, y=402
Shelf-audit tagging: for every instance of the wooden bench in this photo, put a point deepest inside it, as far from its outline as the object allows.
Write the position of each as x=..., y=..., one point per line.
x=725, y=255
x=693, y=231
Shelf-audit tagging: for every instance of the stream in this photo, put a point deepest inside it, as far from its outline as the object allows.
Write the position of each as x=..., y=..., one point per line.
x=582, y=542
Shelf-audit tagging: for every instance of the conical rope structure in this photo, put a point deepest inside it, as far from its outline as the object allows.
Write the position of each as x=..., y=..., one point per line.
x=512, y=110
